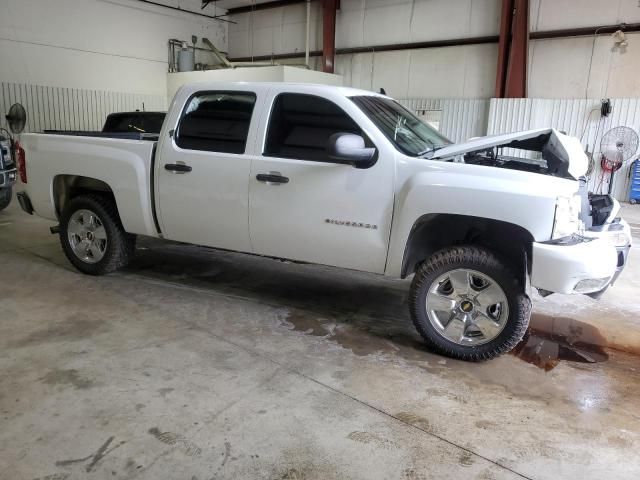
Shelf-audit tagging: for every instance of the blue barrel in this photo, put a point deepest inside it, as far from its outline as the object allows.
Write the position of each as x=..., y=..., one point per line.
x=634, y=184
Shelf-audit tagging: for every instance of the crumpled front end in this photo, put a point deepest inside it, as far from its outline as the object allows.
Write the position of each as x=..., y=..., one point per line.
x=544, y=151
x=588, y=262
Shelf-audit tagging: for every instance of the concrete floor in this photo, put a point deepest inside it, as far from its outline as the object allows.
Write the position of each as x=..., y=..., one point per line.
x=195, y=364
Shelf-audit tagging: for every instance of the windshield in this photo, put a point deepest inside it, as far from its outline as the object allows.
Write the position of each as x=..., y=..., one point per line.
x=406, y=131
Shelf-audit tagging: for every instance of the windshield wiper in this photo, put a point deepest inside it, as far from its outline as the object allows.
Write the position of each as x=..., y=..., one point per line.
x=433, y=149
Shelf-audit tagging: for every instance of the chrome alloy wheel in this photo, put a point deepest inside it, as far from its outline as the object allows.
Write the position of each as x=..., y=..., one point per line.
x=87, y=236
x=467, y=307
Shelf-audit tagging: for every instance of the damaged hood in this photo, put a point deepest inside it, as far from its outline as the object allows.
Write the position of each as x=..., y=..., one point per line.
x=564, y=154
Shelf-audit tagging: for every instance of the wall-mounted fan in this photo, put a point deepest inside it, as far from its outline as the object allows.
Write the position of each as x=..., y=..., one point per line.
x=16, y=118
x=617, y=146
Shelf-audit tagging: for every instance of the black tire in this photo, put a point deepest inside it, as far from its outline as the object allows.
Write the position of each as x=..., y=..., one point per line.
x=5, y=197
x=120, y=246
x=487, y=263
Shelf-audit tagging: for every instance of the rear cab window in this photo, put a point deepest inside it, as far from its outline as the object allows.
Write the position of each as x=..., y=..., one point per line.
x=216, y=121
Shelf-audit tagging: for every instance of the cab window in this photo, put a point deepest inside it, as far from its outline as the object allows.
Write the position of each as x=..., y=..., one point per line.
x=216, y=122
x=300, y=126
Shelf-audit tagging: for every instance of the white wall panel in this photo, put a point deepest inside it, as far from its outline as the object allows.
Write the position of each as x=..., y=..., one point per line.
x=58, y=108
x=117, y=45
x=558, y=68
x=275, y=30
x=447, y=72
x=365, y=22
x=556, y=14
x=566, y=68
x=577, y=117
x=387, y=22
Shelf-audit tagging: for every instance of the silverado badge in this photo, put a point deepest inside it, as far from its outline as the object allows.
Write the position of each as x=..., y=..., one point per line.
x=347, y=223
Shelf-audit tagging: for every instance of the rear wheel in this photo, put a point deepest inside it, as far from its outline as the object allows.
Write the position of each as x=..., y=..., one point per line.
x=5, y=197
x=92, y=235
x=467, y=304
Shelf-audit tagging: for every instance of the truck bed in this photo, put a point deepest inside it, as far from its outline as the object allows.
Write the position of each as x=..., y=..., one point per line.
x=124, y=164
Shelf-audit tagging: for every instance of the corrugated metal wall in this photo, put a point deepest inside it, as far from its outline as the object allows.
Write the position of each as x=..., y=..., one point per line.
x=462, y=118
x=56, y=108
x=580, y=118
x=77, y=109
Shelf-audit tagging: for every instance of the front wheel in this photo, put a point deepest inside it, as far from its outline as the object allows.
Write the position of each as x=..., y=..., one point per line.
x=92, y=235
x=5, y=197
x=467, y=304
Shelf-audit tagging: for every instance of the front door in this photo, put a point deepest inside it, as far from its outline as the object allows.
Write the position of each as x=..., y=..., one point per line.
x=304, y=207
x=203, y=170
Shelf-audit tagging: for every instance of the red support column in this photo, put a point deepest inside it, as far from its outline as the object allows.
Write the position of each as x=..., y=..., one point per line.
x=329, y=8
x=506, y=18
x=516, y=83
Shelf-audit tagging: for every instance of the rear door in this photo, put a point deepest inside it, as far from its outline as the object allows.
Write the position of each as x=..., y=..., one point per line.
x=203, y=166
x=326, y=213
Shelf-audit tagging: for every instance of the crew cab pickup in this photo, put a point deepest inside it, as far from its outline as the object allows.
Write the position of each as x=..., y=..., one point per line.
x=348, y=178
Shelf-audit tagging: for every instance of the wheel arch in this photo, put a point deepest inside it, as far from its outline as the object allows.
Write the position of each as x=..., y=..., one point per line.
x=435, y=231
x=67, y=187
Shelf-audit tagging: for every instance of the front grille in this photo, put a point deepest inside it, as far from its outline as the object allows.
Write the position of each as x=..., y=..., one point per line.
x=6, y=162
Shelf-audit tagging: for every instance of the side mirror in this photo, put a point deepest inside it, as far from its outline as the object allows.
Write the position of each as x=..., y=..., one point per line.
x=350, y=149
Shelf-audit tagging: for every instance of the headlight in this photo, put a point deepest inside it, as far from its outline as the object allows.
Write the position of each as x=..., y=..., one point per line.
x=567, y=220
x=619, y=239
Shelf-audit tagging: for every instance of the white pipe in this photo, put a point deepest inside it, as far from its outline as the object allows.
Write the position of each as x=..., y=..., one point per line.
x=306, y=47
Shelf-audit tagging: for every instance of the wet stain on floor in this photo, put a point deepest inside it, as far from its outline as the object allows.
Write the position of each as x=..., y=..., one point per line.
x=67, y=377
x=385, y=336
x=361, y=314
x=74, y=327
x=325, y=291
x=548, y=341
x=551, y=340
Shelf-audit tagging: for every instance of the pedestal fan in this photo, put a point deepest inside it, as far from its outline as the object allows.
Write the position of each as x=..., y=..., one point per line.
x=617, y=146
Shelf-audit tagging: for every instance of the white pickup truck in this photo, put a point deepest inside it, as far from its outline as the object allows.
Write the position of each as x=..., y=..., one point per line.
x=348, y=178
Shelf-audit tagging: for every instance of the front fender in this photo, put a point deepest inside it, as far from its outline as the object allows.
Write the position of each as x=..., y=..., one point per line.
x=520, y=198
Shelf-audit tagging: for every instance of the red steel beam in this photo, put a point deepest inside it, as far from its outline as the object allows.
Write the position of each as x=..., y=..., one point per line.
x=504, y=43
x=329, y=8
x=516, y=81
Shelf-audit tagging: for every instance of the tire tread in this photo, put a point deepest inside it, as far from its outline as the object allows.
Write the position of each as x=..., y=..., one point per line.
x=468, y=254
x=121, y=245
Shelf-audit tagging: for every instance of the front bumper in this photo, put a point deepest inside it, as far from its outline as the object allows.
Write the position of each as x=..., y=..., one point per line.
x=582, y=265
x=8, y=177
x=618, y=234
